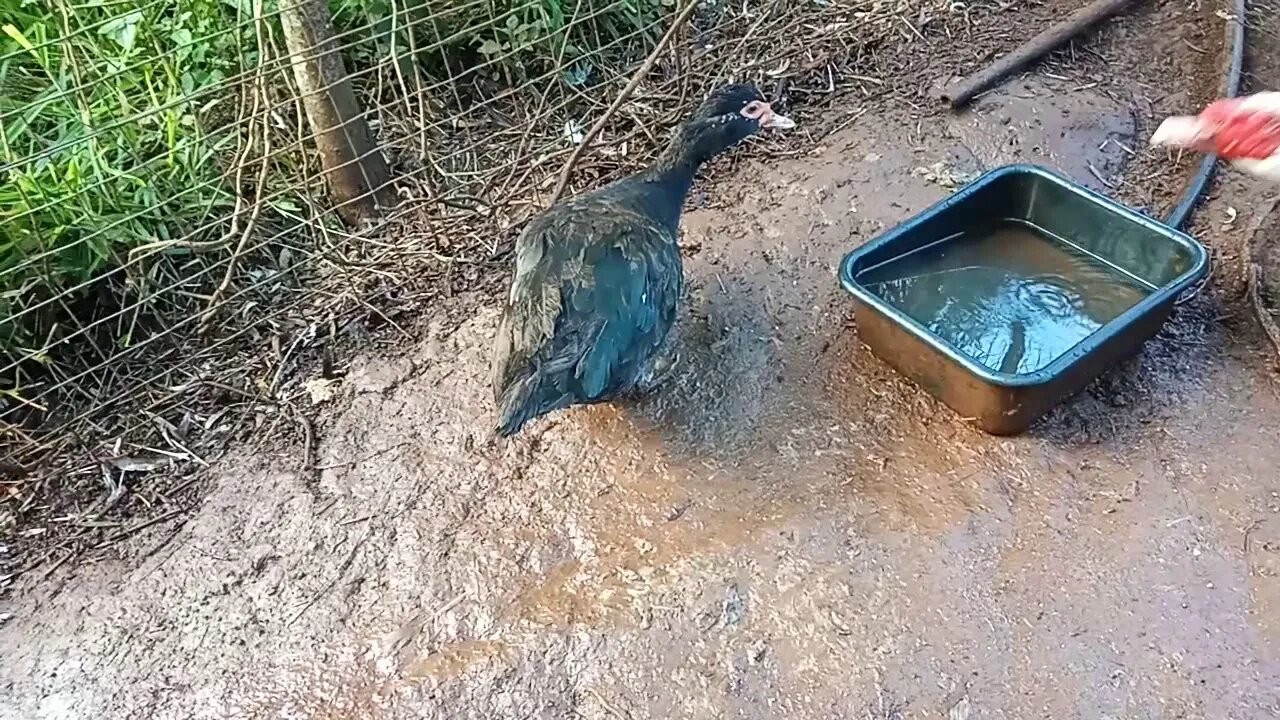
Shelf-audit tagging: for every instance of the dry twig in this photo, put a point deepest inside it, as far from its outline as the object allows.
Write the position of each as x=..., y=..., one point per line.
x=1253, y=278
x=1260, y=309
x=636, y=79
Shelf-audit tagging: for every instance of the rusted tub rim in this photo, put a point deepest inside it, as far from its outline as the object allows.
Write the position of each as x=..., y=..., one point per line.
x=1166, y=294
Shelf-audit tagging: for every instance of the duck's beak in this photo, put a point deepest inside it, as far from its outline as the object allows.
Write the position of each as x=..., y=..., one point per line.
x=772, y=120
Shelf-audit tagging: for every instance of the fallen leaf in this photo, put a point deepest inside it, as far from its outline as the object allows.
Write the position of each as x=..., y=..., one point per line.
x=320, y=389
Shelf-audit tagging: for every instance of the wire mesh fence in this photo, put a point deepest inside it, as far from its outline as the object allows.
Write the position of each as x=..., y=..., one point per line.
x=199, y=198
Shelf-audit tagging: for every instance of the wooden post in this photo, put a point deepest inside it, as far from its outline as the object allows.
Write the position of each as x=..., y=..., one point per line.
x=355, y=170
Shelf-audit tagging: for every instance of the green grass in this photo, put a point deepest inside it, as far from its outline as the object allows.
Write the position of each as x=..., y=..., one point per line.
x=103, y=148
x=514, y=38
x=118, y=121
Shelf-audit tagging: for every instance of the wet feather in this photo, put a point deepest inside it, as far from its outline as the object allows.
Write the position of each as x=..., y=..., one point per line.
x=598, y=277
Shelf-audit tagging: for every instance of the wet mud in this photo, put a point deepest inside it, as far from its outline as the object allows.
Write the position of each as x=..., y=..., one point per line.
x=788, y=529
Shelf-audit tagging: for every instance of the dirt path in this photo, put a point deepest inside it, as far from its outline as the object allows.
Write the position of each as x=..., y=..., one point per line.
x=789, y=531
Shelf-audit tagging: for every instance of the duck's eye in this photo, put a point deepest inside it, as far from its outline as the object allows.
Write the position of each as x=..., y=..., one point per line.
x=754, y=109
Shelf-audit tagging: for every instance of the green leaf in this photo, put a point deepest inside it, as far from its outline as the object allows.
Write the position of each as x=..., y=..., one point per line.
x=244, y=7
x=286, y=205
x=123, y=29
x=18, y=37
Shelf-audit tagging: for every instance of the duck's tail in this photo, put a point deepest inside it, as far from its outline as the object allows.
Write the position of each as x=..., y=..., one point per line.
x=516, y=404
x=526, y=386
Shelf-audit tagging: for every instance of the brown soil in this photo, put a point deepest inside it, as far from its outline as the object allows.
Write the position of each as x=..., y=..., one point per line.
x=788, y=530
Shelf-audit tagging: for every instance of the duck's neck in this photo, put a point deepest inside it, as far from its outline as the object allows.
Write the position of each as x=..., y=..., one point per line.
x=676, y=177
x=672, y=174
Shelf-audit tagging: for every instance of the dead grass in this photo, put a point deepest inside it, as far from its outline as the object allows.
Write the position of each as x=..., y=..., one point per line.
x=251, y=361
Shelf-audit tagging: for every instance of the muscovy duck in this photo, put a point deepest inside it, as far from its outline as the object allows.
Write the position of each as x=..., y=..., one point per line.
x=598, y=277
x=1244, y=131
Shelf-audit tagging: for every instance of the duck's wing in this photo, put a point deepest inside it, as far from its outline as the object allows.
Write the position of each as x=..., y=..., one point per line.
x=594, y=295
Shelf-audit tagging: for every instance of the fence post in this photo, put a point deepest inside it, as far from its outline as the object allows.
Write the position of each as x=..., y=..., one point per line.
x=355, y=170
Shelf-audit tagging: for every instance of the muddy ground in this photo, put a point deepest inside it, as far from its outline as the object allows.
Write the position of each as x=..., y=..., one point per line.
x=788, y=530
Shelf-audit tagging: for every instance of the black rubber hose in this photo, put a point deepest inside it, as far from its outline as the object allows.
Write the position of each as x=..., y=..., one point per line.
x=1200, y=181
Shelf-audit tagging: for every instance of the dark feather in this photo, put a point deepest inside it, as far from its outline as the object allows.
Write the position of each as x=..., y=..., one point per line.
x=595, y=294
x=598, y=278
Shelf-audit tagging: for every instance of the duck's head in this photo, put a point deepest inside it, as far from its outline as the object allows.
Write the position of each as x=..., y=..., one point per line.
x=730, y=114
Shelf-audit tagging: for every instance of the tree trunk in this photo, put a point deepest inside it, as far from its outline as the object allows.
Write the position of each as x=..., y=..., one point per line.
x=354, y=168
